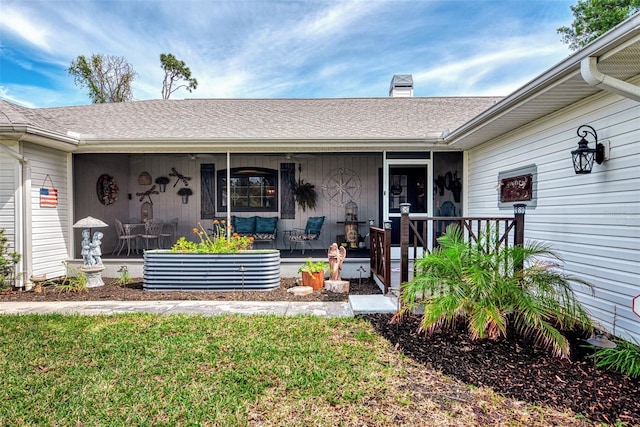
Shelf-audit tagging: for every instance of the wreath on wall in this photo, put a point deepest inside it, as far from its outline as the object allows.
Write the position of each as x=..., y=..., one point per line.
x=107, y=189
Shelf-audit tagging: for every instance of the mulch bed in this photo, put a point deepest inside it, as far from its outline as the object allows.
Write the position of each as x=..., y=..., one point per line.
x=134, y=292
x=514, y=368
x=511, y=367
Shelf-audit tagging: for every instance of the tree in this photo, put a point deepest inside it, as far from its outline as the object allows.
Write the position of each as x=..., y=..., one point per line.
x=592, y=18
x=107, y=77
x=175, y=70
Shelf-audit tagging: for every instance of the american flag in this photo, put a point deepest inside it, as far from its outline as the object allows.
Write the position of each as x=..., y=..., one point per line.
x=48, y=198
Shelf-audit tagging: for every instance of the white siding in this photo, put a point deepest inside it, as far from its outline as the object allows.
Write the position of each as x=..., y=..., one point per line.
x=49, y=226
x=592, y=221
x=9, y=184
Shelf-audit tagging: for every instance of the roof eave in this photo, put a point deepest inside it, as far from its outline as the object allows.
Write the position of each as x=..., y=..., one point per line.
x=25, y=133
x=570, y=67
x=260, y=145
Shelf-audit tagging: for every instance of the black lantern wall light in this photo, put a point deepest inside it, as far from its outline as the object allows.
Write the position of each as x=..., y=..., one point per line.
x=583, y=157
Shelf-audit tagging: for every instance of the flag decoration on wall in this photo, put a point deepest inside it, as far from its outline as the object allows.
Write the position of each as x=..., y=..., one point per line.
x=48, y=195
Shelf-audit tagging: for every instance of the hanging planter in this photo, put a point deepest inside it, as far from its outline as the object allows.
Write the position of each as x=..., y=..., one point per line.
x=185, y=193
x=162, y=182
x=305, y=195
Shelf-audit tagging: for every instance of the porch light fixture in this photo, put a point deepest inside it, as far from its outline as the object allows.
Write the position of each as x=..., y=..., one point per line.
x=405, y=208
x=387, y=225
x=519, y=209
x=584, y=156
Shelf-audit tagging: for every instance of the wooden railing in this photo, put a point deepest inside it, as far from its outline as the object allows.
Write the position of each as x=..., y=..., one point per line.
x=420, y=235
x=381, y=255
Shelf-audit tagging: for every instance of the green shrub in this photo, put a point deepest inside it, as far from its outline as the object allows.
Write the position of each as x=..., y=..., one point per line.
x=481, y=284
x=8, y=261
x=71, y=282
x=624, y=358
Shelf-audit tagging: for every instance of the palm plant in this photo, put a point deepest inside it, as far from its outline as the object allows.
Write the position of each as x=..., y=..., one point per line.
x=487, y=286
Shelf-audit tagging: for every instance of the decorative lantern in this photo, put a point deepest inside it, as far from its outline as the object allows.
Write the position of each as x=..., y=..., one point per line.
x=351, y=234
x=351, y=211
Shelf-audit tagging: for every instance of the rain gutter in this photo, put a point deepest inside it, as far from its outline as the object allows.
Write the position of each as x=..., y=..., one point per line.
x=594, y=77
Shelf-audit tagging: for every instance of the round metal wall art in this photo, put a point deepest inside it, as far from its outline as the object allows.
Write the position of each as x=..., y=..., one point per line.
x=341, y=186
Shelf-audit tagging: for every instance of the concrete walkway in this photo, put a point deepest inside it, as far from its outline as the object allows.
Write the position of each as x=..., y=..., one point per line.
x=361, y=305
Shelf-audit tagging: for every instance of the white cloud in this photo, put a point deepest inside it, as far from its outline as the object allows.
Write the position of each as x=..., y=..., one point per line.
x=281, y=48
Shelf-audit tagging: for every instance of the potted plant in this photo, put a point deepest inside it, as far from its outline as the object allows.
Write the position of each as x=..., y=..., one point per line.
x=162, y=182
x=185, y=192
x=313, y=273
x=305, y=194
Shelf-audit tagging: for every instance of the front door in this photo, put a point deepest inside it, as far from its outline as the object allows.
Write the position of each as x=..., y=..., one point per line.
x=406, y=181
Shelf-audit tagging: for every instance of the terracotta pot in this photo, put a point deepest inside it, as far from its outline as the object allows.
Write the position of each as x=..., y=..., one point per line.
x=315, y=280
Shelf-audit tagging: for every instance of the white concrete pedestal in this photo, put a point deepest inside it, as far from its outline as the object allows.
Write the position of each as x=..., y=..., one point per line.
x=94, y=275
x=337, y=286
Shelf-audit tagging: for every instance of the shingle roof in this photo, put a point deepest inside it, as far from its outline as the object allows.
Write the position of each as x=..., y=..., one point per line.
x=247, y=119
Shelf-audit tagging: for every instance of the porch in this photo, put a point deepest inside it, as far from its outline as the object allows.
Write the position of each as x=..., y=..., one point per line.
x=261, y=186
x=418, y=236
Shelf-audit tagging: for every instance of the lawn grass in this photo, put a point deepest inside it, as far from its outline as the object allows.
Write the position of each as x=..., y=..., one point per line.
x=144, y=369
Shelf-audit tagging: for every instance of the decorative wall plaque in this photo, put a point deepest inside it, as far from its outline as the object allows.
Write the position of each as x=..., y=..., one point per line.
x=516, y=189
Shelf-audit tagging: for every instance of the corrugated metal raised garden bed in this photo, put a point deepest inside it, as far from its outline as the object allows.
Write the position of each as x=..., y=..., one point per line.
x=165, y=270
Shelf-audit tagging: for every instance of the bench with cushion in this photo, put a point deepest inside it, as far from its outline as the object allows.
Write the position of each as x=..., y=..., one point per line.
x=262, y=229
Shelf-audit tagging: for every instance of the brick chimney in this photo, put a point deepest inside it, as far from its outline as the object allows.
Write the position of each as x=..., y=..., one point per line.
x=401, y=86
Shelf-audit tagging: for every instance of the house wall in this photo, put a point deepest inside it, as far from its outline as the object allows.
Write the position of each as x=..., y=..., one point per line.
x=315, y=170
x=50, y=238
x=9, y=185
x=592, y=221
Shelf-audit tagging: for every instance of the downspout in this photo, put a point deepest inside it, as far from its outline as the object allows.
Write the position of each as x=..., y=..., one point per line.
x=593, y=76
x=228, y=194
x=23, y=231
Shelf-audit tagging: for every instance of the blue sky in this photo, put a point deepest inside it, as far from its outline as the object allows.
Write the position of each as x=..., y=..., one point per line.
x=282, y=49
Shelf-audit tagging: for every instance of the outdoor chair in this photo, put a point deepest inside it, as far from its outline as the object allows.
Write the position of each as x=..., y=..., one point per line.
x=124, y=238
x=168, y=233
x=310, y=233
x=152, y=230
x=446, y=209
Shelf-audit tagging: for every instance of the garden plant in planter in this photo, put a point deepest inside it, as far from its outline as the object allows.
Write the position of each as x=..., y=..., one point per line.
x=213, y=262
x=313, y=273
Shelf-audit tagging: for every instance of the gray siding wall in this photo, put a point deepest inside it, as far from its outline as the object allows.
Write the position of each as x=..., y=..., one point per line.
x=87, y=170
x=592, y=221
x=314, y=170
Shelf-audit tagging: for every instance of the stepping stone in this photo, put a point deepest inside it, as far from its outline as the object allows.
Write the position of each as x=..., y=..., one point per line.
x=300, y=290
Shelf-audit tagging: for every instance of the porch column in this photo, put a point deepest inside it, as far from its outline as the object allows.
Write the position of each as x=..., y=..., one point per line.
x=404, y=242
x=519, y=210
